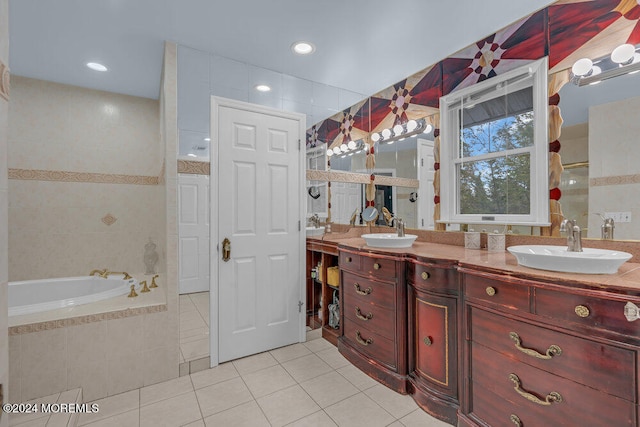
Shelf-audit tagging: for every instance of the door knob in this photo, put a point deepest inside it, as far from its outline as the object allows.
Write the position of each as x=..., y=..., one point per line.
x=226, y=249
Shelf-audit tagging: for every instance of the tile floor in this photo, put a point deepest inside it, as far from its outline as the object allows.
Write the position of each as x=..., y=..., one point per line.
x=309, y=384
x=194, y=326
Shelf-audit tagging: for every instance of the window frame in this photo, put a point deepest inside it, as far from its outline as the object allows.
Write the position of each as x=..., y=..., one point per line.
x=533, y=74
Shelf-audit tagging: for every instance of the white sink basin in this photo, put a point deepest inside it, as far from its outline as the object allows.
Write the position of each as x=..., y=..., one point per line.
x=557, y=258
x=389, y=240
x=313, y=231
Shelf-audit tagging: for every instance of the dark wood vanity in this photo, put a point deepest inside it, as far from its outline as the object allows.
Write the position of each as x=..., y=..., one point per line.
x=479, y=341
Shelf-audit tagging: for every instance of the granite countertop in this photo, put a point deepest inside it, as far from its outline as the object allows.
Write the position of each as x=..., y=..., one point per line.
x=627, y=279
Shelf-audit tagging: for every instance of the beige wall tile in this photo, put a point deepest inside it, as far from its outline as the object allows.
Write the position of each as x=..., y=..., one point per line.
x=160, y=364
x=15, y=391
x=87, y=355
x=44, y=363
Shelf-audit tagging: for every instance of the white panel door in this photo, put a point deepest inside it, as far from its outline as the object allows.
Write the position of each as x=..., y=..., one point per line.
x=193, y=233
x=259, y=208
x=426, y=173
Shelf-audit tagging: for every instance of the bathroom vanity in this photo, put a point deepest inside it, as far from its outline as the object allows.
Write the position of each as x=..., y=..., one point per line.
x=478, y=340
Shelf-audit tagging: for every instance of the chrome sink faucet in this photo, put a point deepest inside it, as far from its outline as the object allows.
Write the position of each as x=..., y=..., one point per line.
x=315, y=220
x=399, y=226
x=574, y=235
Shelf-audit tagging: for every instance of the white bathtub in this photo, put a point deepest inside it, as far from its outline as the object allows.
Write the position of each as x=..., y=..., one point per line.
x=33, y=296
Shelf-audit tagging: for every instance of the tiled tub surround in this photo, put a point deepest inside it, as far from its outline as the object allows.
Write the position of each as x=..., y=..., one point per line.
x=101, y=190
x=105, y=347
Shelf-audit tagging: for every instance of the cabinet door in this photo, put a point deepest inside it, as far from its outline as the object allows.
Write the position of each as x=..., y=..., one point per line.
x=434, y=337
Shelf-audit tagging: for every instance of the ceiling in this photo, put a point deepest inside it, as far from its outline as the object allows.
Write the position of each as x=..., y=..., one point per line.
x=361, y=45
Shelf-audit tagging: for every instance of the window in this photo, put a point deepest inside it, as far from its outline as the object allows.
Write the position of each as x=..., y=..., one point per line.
x=494, y=161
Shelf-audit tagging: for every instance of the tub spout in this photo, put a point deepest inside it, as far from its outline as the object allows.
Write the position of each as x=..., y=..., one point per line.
x=102, y=273
x=127, y=276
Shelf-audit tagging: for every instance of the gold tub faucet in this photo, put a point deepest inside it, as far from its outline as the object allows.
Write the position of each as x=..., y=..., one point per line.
x=102, y=273
x=127, y=276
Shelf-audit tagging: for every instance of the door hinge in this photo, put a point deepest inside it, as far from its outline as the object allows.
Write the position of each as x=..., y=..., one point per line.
x=299, y=226
x=421, y=162
x=300, y=304
x=299, y=144
x=423, y=222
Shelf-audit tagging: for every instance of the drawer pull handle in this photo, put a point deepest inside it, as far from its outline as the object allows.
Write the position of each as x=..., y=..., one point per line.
x=425, y=275
x=548, y=400
x=553, y=350
x=427, y=341
x=491, y=291
x=376, y=266
x=582, y=311
x=348, y=259
x=361, y=292
x=516, y=420
x=631, y=311
x=361, y=316
x=363, y=341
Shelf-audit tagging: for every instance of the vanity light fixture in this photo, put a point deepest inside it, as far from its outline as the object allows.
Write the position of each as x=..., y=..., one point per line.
x=625, y=59
x=411, y=125
x=329, y=152
x=375, y=137
x=344, y=148
x=262, y=88
x=398, y=130
x=303, y=48
x=352, y=145
x=336, y=150
x=96, y=66
x=386, y=133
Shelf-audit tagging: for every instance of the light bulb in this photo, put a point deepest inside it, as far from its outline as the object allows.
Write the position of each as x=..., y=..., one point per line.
x=352, y=145
x=582, y=67
x=375, y=137
x=344, y=148
x=386, y=133
x=329, y=153
x=427, y=129
x=411, y=125
x=596, y=70
x=398, y=130
x=336, y=150
x=623, y=54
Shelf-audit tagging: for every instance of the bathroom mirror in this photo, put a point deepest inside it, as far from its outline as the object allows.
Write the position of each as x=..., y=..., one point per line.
x=599, y=141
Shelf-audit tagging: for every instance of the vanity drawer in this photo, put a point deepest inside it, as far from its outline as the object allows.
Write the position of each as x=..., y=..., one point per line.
x=378, y=267
x=435, y=279
x=370, y=316
x=367, y=290
x=540, y=395
x=350, y=262
x=595, y=312
x=372, y=344
x=613, y=371
x=513, y=296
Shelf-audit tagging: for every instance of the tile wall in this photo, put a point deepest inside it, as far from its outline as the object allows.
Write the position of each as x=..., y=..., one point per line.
x=84, y=191
x=201, y=74
x=4, y=203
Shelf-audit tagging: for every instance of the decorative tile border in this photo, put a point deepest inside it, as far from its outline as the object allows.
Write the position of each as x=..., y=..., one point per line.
x=614, y=180
x=81, y=320
x=4, y=81
x=65, y=176
x=193, y=167
x=360, y=178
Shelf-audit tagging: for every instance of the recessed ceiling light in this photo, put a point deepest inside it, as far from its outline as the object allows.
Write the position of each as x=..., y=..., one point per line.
x=263, y=88
x=303, y=48
x=96, y=66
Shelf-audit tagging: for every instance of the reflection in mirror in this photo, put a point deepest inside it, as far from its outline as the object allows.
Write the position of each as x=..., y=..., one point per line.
x=599, y=139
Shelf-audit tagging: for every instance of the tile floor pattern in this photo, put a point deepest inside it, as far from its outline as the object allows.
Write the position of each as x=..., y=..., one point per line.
x=309, y=384
x=194, y=326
